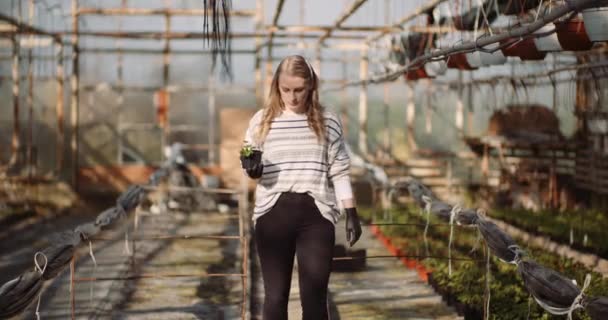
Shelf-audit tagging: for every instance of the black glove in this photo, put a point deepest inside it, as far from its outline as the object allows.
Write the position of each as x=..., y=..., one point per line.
x=253, y=165
x=353, y=226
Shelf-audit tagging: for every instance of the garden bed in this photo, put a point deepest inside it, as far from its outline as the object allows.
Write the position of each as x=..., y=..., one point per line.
x=464, y=289
x=581, y=230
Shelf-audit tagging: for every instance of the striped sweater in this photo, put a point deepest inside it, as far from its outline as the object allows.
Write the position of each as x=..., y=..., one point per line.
x=295, y=161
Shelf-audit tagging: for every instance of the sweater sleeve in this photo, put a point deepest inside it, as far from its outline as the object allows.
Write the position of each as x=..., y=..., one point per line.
x=251, y=129
x=339, y=161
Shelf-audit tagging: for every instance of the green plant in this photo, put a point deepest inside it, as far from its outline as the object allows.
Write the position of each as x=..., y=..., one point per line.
x=583, y=230
x=247, y=150
x=509, y=297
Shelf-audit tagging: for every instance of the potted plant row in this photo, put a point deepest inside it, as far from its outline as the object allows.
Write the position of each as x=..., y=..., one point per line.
x=464, y=287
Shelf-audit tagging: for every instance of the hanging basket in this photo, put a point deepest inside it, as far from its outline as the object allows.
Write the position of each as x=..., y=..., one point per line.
x=474, y=59
x=596, y=23
x=435, y=68
x=416, y=74
x=468, y=20
x=525, y=49
x=547, y=43
x=572, y=35
x=459, y=61
x=494, y=58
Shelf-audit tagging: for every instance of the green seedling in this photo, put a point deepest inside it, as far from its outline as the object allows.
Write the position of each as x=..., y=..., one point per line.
x=247, y=150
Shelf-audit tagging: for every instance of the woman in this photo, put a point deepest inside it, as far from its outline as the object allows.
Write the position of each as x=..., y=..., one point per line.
x=304, y=172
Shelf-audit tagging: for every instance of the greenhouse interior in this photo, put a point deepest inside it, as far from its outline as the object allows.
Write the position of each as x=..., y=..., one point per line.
x=259, y=159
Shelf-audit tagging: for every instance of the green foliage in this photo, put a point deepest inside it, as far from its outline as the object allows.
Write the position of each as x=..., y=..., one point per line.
x=509, y=297
x=247, y=150
x=559, y=225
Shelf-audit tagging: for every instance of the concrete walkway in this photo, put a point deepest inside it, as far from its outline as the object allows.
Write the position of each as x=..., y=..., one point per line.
x=384, y=290
x=169, y=297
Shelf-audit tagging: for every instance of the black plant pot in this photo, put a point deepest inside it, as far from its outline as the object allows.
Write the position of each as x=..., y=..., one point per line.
x=354, y=265
x=252, y=160
x=471, y=313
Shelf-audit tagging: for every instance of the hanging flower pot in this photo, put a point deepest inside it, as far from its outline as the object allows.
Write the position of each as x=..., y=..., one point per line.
x=494, y=58
x=435, y=68
x=474, y=59
x=468, y=20
x=510, y=7
x=525, y=49
x=459, y=61
x=596, y=23
x=416, y=74
x=572, y=35
x=549, y=42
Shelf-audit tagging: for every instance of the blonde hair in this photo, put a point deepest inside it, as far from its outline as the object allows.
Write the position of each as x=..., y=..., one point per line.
x=295, y=66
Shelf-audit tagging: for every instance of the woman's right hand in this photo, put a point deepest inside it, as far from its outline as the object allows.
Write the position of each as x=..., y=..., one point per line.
x=254, y=169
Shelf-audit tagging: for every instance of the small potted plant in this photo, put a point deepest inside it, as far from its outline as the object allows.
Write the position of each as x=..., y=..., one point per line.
x=250, y=156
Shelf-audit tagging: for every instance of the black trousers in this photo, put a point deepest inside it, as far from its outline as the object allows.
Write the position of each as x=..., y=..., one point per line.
x=295, y=226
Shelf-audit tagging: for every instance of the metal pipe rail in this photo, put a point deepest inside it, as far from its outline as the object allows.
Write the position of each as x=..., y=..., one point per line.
x=156, y=12
x=572, y=6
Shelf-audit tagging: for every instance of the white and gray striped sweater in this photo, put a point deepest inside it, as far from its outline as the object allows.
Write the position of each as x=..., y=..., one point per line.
x=295, y=161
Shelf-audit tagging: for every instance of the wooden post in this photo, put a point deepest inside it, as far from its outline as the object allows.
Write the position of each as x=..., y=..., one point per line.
x=555, y=96
x=344, y=102
x=268, y=80
x=428, y=118
x=363, y=104
x=243, y=214
x=60, y=137
x=73, y=287
x=387, y=124
x=74, y=105
x=166, y=58
x=275, y=20
x=15, y=141
x=460, y=105
x=212, y=117
x=317, y=62
x=259, y=84
x=120, y=84
x=30, y=98
x=470, y=105
x=387, y=143
x=410, y=114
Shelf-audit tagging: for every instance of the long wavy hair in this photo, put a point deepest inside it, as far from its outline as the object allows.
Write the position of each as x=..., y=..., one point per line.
x=294, y=66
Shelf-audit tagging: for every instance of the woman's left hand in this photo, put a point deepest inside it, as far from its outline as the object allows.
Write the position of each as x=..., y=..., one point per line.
x=353, y=226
